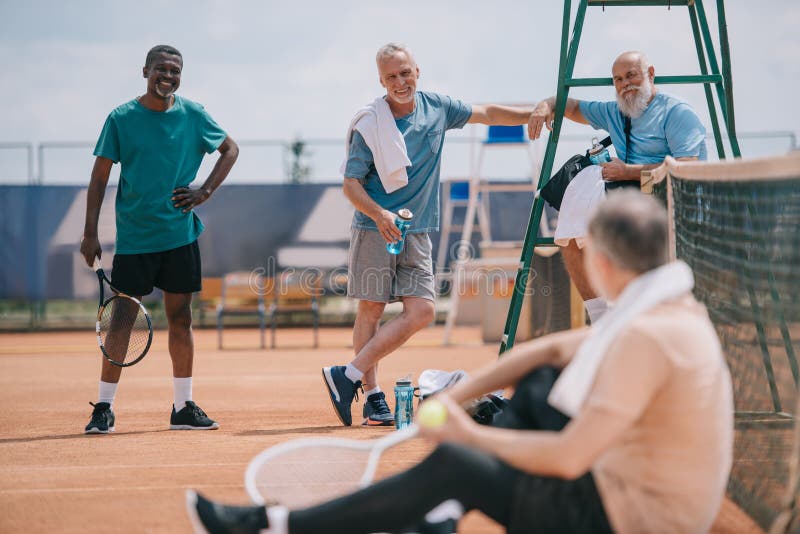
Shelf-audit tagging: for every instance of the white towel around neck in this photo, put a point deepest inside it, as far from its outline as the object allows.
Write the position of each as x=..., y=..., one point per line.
x=376, y=125
x=641, y=294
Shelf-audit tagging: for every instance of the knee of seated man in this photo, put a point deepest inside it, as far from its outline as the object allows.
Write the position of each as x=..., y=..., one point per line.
x=449, y=456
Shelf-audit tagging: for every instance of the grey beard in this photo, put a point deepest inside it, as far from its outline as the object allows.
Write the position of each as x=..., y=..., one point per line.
x=635, y=107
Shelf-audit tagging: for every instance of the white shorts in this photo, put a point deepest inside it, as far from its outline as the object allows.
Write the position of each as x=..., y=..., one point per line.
x=583, y=193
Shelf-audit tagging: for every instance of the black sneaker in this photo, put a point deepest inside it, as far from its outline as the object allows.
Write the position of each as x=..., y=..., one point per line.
x=448, y=526
x=102, y=421
x=215, y=518
x=376, y=412
x=191, y=417
x=342, y=391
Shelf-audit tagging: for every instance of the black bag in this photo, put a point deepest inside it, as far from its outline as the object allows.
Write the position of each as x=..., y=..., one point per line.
x=553, y=192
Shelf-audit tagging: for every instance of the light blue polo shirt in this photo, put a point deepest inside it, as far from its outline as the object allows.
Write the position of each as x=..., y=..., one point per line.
x=668, y=127
x=158, y=151
x=423, y=130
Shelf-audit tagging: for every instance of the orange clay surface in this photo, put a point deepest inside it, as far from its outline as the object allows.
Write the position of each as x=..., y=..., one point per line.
x=56, y=479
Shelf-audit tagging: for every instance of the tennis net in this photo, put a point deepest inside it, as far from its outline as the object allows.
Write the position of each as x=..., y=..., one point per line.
x=737, y=225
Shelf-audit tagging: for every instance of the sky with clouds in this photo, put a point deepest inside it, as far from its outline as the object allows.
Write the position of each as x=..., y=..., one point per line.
x=275, y=70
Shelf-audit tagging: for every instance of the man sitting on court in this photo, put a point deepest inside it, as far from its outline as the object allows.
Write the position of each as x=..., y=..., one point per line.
x=635, y=435
x=658, y=125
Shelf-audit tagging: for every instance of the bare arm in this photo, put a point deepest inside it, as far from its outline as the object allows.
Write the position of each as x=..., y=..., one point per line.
x=606, y=415
x=90, y=244
x=545, y=111
x=188, y=199
x=495, y=115
x=565, y=454
x=554, y=350
x=384, y=219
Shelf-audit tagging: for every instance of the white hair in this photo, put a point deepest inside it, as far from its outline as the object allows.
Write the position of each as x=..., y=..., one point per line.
x=634, y=106
x=390, y=49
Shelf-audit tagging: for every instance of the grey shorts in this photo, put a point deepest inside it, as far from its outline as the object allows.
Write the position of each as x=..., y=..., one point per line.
x=376, y=275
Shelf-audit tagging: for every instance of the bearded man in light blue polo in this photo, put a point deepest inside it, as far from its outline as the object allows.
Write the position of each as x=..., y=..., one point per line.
x=657, y=124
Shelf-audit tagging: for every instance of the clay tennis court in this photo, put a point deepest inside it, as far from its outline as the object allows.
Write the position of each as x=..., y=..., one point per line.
x=57, y=479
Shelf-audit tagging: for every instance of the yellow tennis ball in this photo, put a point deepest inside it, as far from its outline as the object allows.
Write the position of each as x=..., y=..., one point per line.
x=432, y=414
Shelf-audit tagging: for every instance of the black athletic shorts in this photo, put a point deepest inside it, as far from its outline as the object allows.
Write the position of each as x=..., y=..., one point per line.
x=177, y=270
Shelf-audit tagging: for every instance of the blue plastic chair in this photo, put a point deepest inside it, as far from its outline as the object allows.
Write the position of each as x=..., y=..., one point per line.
x=506, y=134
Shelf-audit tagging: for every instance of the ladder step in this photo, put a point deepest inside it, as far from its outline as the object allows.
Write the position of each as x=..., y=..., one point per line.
x=668, y=3
x=597, y=82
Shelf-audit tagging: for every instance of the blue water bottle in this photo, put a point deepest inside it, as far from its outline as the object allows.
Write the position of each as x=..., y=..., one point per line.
x=598, y=153
x=404, y=402
x=403, y=221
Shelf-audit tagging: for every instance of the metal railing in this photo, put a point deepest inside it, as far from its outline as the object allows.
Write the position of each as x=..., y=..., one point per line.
x=275, y=160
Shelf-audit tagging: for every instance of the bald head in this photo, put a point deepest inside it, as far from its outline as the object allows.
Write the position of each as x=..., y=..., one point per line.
x=631, y=230
x=631, y=58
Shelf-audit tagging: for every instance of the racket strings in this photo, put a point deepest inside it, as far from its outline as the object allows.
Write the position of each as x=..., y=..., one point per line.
x=311, y=475
x=123, y=329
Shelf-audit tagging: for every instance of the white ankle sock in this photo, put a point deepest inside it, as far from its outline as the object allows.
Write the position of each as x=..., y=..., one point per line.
x=107, y=391
x=376, y=389
x=353, y=373
x=181, y=391
x=596, y=308
x=278, y=520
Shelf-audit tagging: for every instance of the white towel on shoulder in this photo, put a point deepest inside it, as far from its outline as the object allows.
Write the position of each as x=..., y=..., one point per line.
x=641, y=294
x=376, y=125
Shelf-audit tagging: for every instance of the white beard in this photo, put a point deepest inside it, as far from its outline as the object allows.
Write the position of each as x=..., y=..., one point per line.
x=633, y=106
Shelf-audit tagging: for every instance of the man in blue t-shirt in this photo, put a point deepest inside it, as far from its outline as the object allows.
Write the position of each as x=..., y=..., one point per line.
x=159, y=139
x=377, y=277
x=660, y=126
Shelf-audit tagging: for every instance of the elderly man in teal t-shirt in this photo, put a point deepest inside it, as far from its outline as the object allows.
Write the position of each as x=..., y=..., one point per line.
x=376, y=277
x=159, y=139
x=660, y=125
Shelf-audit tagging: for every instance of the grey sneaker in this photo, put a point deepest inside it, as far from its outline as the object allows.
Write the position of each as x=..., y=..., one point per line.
x=342, y=391
x=214, y=518
x=191, y=417
x=102, y=421
x=376, y=412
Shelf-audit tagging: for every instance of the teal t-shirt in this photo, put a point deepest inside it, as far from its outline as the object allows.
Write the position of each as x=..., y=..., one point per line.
x=423, y=131
x=158, y=151
x=668, y=127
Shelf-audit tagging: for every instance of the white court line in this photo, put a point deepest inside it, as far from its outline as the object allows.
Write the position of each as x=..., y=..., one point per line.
x=122, y=466
x=111, y=488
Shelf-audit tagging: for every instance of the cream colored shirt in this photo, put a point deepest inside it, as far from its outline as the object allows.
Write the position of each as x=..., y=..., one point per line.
x=666, y=375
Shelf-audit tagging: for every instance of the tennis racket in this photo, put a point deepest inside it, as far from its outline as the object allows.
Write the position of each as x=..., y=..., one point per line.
x=309, y=471
x=124, y=329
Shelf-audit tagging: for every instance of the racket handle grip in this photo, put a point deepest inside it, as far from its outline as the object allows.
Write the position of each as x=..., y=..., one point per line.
x=97, y=265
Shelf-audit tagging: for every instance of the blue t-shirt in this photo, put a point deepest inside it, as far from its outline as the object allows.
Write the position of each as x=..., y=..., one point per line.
x=423, y=131
x=158, y=151
x=668, y=127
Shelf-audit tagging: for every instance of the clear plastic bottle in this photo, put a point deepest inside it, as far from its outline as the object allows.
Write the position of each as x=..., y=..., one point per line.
x=403, y=221
x=404, y=402
x=598, y=153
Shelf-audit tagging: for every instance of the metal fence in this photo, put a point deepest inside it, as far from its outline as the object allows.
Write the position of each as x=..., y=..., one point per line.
x=318, y=160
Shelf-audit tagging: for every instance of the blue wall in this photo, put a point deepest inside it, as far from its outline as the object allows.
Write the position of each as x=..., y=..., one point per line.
x=245, y=226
